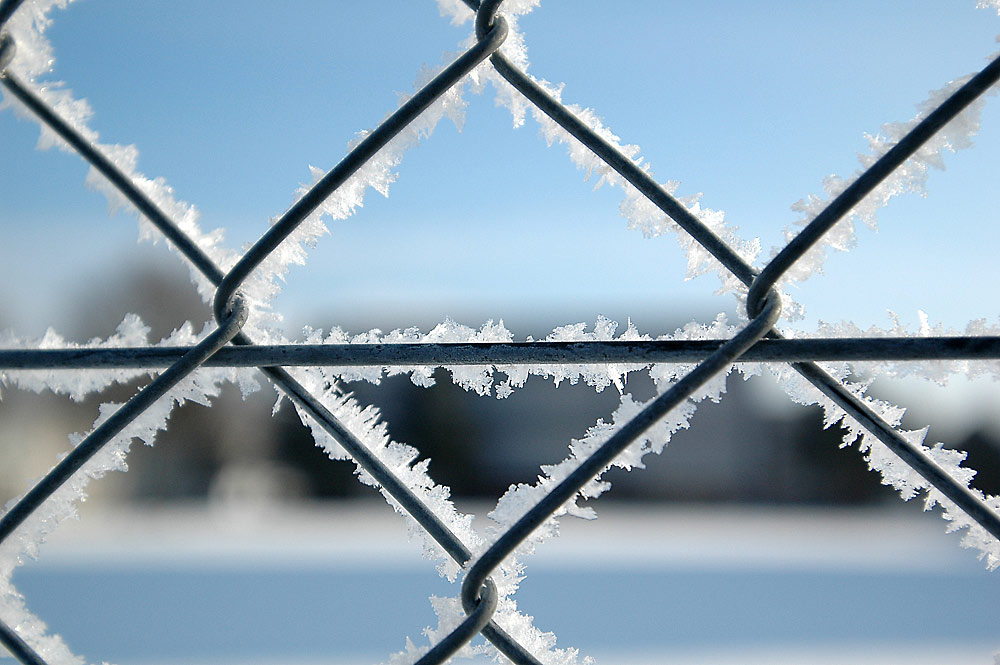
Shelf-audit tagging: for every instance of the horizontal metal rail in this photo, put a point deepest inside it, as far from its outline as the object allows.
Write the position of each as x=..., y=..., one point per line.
x=827, y=349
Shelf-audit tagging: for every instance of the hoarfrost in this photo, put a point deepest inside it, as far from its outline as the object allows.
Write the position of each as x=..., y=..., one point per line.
x=643, y=215
x=77, y=385
x=910, y=177
x=200, y=387
x=33, y=59
x=483, y=379
x=937, y=371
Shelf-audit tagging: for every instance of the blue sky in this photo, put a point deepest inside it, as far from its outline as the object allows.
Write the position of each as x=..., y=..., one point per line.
x=751, y=104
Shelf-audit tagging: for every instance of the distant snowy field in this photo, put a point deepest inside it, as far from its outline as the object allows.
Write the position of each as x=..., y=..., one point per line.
x=342, y=584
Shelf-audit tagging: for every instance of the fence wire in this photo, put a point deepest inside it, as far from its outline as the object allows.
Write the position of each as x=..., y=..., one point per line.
x=229, y=346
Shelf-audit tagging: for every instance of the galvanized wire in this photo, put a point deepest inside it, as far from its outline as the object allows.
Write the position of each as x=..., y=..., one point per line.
x=643, y=352
x=757, y=341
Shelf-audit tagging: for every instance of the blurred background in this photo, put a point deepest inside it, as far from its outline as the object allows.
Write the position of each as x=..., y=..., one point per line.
x=232, y=119
x=750, y=103
x=755, y=446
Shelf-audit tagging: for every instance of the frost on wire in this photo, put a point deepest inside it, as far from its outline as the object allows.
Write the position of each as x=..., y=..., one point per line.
x=33, y=61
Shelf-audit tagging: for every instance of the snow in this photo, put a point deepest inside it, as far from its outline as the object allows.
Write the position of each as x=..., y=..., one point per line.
x=361, y=542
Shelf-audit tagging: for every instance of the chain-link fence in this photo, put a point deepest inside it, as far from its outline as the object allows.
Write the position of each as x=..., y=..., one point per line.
x=236, y=343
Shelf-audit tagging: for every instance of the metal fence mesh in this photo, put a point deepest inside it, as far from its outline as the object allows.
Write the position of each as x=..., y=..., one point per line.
x=230, y=345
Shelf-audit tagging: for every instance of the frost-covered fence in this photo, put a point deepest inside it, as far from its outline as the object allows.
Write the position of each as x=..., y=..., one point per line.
x=244, y=341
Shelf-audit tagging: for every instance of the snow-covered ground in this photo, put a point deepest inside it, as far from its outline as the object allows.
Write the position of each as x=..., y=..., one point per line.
x=342, y=584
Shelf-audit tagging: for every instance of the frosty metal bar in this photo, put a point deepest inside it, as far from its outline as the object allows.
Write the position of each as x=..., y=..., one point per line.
x=938, y=477
x=870, y=179
x=142, y=400
x=487, y=44
x=6, y=50
x=120, y=180
x=954, y=490
x=618, y=442
x=621, y=163
x=428, y=520
x=295, y=390
x=7, y=9
x=478, y=616
x=911, y=454
x=18, y=647
x=385, y=477
x=831, y=349
x=121, y=419
x=413, y=108
x=97, y=439
x=282, y=378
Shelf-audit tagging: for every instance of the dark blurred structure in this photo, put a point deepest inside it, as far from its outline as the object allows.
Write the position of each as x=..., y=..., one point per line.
x=735, y=451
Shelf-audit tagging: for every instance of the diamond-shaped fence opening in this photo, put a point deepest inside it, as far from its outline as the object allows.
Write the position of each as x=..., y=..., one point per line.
x=245, y=346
